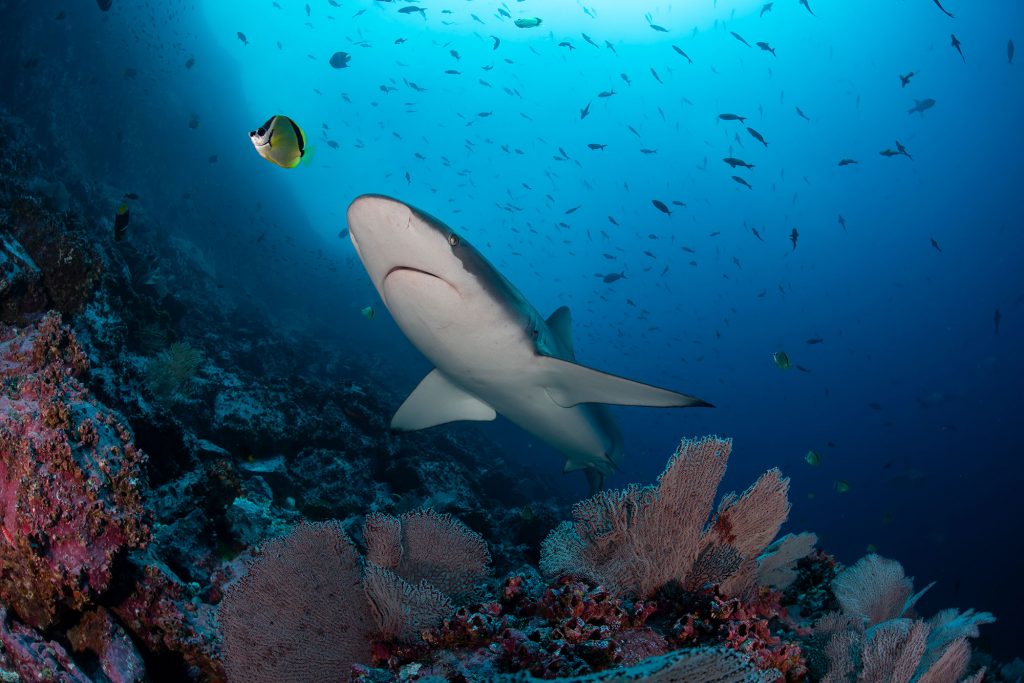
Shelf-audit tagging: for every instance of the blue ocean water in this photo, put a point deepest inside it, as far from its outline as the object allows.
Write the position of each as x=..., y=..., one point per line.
x=900, y=303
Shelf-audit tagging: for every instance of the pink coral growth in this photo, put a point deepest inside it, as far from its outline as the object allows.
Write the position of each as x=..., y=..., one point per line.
x=162, y=614
x=99, y=634
x=753, y=625
x=32, y=658
x=70, y=478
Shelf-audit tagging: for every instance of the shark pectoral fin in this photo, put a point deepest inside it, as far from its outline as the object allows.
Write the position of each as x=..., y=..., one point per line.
x=436, y=401
x=560, y=324
x=569, y=384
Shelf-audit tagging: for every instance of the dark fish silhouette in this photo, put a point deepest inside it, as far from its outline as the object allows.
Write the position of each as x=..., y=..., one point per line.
x=847, y=162
x=944, y=10
x=612, y=277
x=691, y=61
x=734, y=162
x=955, y=42
x=497, y=42
x=767, y=7
x=905, y=80
x=732, y=117
x=793, y=237
x=121, y=219
x=936, y=245
x=1009, y=52
x=804, y=3
x=739, y=38
x=585, y=111
x=660, y=206
x=921, y=106
x=903, y=150
x=595, y=145
x=340, y=60
x=655, y=74
x=741, y=181
x=766, y=47
x=757, y=234
x=757, y=136
x=842, y=222
x=801, y=114
x=241, y=37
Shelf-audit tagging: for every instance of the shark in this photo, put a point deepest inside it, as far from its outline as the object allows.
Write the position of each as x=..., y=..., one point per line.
x=493, y=353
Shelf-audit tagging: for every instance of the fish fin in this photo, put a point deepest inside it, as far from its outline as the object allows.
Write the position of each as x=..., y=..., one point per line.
x=569, y=384
x=594, y=475
x=560, y=323
x=572, y=465
x=436, y=401
x=307, y=155
x=595, y=480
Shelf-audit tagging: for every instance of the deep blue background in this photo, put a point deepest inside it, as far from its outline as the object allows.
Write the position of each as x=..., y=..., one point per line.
x=934, y=467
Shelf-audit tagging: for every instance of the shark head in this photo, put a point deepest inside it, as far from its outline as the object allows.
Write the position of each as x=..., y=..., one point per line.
x=394, y=240
x=424, y=269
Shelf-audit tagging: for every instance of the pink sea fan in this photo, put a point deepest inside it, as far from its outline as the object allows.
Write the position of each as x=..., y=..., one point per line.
x=299, y=614
x=425, y=545
x=402, y=610
x=875, y=589
x=635, y=540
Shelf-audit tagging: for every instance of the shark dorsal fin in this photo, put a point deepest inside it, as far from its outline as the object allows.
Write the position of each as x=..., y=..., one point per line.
x=570, y=384
x=560, y=324
x=436, y=401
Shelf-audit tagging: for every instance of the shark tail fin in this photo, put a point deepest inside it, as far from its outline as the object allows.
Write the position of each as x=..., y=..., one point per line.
x=569, y=384
x=437, y=400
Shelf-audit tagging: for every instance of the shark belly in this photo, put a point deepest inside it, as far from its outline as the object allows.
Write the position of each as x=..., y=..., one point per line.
x=485, y=350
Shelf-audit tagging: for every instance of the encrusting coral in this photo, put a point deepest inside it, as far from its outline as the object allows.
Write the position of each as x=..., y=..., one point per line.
x=70, y=479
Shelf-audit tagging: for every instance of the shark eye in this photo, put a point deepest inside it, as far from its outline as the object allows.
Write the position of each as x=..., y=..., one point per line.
x=453, y=239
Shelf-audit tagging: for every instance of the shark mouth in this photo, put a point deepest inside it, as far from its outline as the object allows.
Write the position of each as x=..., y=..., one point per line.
x=410, y=269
